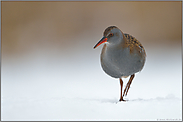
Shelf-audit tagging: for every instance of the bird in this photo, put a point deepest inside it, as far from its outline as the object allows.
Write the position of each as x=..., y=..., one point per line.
x=122, y=56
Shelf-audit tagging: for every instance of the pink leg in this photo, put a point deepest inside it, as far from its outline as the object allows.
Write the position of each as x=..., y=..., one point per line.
x=128, y=85
x=121, y=84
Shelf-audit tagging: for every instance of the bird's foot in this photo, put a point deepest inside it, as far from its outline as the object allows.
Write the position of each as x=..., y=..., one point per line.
x=121, y=99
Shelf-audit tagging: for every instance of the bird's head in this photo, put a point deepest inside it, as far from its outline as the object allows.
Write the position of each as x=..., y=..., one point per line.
x=112, y=35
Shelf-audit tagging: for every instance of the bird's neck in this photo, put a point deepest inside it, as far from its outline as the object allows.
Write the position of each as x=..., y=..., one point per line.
x=122, y=43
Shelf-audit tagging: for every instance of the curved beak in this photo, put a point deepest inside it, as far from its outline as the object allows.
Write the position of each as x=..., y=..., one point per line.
x=104, y=39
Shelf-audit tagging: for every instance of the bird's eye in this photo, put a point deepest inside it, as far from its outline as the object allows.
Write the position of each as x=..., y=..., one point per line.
x=111, y=34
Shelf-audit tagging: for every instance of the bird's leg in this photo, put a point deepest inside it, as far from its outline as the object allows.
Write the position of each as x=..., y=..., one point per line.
x=128, y=85
x=121, y=84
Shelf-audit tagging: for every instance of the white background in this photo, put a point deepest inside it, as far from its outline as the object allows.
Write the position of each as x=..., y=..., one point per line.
x=73, y=86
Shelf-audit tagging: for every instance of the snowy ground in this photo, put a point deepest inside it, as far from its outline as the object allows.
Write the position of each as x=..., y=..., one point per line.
x=72, y=86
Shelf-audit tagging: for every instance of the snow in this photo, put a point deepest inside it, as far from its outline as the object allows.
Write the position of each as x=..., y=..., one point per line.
x=72, y=86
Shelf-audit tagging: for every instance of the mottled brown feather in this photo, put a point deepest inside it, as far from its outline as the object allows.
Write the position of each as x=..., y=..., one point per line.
x=133, y=43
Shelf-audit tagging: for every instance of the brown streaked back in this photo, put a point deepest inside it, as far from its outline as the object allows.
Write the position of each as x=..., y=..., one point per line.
x=132, y=41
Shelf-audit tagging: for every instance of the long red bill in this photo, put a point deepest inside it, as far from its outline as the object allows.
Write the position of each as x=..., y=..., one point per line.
x=104, y=39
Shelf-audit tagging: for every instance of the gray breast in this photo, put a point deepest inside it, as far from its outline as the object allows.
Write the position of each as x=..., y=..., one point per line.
x=119, y=62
